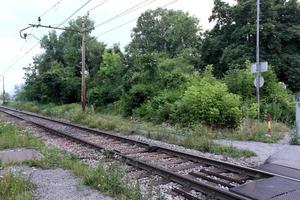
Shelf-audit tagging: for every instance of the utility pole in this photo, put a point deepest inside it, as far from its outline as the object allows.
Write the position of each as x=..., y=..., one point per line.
x=83, y=98
x=257, y=60
x=83, y=48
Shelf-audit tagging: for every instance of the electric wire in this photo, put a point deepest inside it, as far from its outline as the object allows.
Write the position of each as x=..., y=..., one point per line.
x=130, y=21
x=28, y=51
x=48, y=10
x=100, y=4
x=129, y=10
x=24, y=43
x=76, y=11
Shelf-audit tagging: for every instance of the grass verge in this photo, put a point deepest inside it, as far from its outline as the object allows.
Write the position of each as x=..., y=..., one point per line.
x=199, y=137
x=111, y=181
x=250, y=130
x=13, y=187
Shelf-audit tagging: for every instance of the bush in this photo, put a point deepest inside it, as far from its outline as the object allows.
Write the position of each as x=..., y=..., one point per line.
x=160, y=107
x=136, y=96
x=208, y=101
x=275, y=98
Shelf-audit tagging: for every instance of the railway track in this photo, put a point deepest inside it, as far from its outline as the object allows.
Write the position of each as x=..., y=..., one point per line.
x=213, y=179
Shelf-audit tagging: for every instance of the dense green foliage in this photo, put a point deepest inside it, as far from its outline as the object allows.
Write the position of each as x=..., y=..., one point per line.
x=165, y=73
x=275, y=98
x=233, y=38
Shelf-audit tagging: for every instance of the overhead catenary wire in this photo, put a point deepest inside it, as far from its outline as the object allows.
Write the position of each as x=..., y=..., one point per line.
x=24, y=43
x=27, y=52
x=100, y=4
x=127, y=11
x=48, y=10
x=131, y=9
x=20, y=50
x=76, y=11
x=130, y=21
x=35, y=45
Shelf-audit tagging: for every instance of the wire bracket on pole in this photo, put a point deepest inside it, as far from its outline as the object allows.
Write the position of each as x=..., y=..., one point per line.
x=24, y=35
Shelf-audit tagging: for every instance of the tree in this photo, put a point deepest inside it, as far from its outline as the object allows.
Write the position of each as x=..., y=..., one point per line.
x=165, y=31
x=232, y=41
x=55, y=74
x=275, y=98
x=107, y=85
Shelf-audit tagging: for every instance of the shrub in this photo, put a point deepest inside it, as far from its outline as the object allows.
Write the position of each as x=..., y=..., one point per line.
x=136, y=96
x=275, y=98
x=208, y=101
x=160, y=107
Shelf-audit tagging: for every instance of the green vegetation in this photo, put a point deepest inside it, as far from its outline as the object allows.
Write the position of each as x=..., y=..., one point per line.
x=199, y=137
x=111, y=181
x=232, y=40
x=10, y=137
x=294, y=138
x=14, y=187
x=250, y=130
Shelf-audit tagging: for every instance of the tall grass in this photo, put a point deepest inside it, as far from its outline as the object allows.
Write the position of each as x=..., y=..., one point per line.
x=250, y=130
x=13, y=187
x=199, y=137
x=10, y=137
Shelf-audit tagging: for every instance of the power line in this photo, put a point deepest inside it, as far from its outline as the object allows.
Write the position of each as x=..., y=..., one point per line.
x=22, y=47
x=24, y=43
x=28, y=51
x=20, y=50
x=76, y=11
x=48, y=10
x=132, y=20
x=100, y=4
x=129, y=10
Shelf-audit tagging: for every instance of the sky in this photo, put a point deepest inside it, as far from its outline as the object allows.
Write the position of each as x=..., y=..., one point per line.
x=16, y=53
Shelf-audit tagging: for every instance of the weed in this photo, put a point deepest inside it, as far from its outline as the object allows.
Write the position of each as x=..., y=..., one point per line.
x=13, y=187
x=250, y=130
x=10, y=137
x=294, y=138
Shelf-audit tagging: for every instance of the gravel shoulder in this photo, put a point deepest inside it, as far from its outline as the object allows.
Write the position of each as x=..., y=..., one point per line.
x=263, y=150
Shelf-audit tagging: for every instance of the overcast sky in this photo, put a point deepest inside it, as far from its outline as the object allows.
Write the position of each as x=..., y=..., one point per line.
x=16, y=14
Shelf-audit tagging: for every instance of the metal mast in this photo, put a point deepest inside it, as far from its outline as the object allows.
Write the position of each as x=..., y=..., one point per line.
x=257, y=59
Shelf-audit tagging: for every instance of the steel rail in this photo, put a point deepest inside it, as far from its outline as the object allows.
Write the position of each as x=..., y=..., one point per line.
x=254, y=173
x=210, y=191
